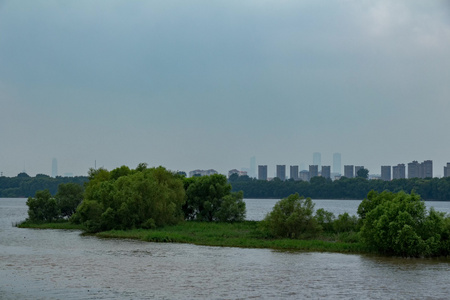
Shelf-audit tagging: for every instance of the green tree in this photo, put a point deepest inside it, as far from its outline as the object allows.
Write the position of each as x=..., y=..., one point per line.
x=398, y=224
x=124, y=199
x=292, y=217
x=363, y=173
x=345, y=223
x=43, y=207
x=68, y=197
x=325, y=219
x=209, y=198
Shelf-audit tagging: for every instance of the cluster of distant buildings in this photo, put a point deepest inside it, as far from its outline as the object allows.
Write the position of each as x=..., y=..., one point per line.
x=413, y=169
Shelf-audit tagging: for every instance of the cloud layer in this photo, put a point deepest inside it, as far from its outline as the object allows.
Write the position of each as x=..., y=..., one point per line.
x=208, y=85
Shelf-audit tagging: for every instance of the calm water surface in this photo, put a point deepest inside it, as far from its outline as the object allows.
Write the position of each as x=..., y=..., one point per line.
x=258, y=208
x=58, y=264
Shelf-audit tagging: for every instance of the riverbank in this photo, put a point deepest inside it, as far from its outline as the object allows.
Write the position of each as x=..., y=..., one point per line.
x=240, y=234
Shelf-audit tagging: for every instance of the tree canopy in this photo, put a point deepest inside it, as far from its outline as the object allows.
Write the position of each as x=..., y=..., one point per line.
x=43, y=207
x=399, y=224
x=292, y=217
x=124, y=199
x=209, y=198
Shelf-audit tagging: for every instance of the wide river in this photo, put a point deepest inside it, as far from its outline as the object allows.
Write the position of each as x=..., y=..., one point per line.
x=58, y=264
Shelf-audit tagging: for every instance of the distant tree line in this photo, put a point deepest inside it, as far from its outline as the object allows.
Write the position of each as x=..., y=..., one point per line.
x=25, y=186
x=344, y=188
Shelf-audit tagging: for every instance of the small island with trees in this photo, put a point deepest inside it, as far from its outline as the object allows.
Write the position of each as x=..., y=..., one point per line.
x=157, y=205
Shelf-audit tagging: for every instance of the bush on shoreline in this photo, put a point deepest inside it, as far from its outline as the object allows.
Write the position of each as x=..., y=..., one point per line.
x=43, y=207
x=399, y=224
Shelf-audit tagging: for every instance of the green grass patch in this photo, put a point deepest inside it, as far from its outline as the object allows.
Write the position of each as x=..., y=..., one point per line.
x=245, y=234
x=242, y=234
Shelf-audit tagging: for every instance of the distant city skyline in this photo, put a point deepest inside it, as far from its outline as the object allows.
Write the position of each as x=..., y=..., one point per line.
x=254, y=165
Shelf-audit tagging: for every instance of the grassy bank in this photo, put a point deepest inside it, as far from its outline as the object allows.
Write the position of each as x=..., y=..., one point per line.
x=242, y=234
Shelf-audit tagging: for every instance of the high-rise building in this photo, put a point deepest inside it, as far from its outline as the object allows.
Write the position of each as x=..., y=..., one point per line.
x=447, y=170
x=426, y=169
x=304, y=175
x=294, y=172
x=326, y=172
x=317, y=159
x=262, y=172
x=54, y=167
x=413, y=169
x=420, y=170
x=348, y=171
x=281, y=172
x=313, y=171
x=337, y=163
x=386, y=173
x=399, y=171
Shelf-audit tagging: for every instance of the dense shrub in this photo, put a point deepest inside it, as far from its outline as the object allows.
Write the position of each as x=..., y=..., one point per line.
x=325, y=219
x=68, y=197
x=345, y=223
x=209, y=198
x=398, y=224
x=124, y=199
x=43, y=207
x=292, y=217
x=46, y=208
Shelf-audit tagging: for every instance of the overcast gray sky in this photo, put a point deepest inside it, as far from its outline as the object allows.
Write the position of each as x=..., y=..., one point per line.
x=209, y=84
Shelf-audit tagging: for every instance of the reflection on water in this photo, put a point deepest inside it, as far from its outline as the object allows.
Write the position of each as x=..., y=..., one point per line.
x=58, y=264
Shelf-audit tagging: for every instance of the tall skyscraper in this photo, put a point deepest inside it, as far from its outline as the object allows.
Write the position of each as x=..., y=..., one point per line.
x=422, y=170
x=317, y=159
x=348, y=171
x=262, y=172
x=399, y=171
x=426, y=169
x=337, y=163
x=313, y=171
x=413, y=169
x=54, y=167
x=326, y=172
x=281, y=172
x=294, y=172
x=386, y=173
